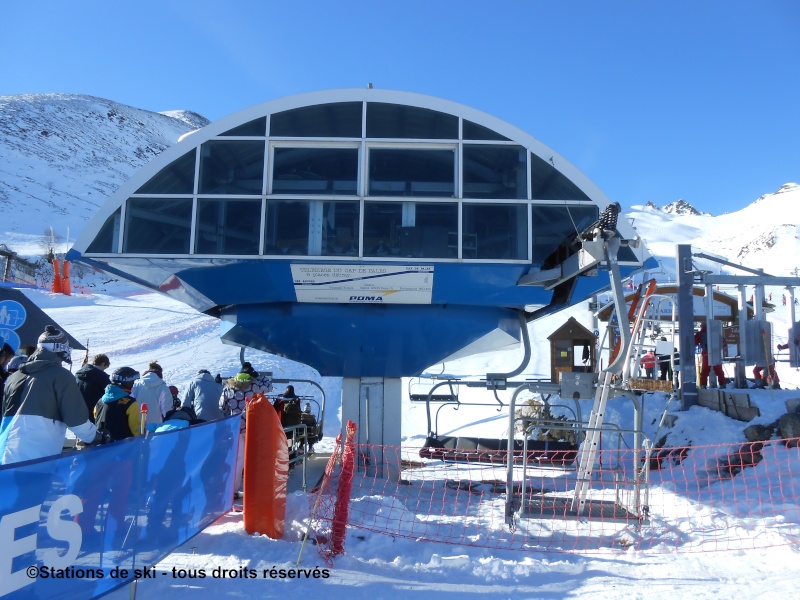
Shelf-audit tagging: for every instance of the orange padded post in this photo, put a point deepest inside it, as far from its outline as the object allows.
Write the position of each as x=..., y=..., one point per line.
x=266, y=470
x=66, y=288
x=56, y=287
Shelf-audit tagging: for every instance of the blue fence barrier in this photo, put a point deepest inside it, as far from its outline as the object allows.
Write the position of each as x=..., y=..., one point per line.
x=84, y=523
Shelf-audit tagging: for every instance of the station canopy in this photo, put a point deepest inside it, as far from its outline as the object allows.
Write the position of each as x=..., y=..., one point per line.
x=363, y=232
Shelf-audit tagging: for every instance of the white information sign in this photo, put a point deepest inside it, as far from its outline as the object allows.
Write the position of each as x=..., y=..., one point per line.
x=363, y=284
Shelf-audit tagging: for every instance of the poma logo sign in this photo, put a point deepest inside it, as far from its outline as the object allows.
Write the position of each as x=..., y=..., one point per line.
x=366, y=298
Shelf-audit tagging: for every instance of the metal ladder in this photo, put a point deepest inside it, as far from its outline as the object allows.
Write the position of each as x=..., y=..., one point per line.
x=604, y=390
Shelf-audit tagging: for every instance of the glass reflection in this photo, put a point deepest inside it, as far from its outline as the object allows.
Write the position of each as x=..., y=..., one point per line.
x=231, y=167
x=158, y=225
x=411, y=229
x=228, y=226
x=315, y=171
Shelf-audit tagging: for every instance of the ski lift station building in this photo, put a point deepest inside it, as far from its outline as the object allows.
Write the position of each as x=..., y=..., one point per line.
x=364, y=232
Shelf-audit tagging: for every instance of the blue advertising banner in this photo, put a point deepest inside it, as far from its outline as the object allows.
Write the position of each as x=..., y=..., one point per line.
x=83, y=523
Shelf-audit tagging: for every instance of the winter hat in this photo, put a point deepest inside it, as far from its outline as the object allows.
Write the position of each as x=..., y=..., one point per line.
x=248, y=368
x=55, y=340
x=16, y=363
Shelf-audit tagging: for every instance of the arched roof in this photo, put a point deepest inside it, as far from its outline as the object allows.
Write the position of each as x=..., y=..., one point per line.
x=280, y=105
x=322, y=226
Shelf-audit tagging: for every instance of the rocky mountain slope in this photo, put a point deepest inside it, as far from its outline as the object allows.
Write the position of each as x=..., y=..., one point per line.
x=63, y=155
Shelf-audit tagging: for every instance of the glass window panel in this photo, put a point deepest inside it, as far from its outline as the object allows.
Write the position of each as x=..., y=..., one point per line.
x=473, y=131
x=231, y=167
x=399, y=121
x=256, y=127
x=315, y=171
x=411, y=172
x=228, y=226
x=547, y=183
x=411, y=229
x=107, y=239
x=158, y=226
x=176, y=178
x=340, y=228
x=495, y=231
x=495, y=172
x=287, y=227
x=557, y=226
x=382, y=222
x=339, y=119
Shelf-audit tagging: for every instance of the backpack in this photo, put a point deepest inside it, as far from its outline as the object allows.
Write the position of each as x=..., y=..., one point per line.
x=118, y=429
x=100, y=414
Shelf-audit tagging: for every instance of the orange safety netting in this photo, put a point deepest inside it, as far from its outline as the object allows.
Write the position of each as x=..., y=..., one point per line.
x=688, y=499
x=331, y=497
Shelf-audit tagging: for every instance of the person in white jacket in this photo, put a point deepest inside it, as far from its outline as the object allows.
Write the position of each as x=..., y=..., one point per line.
x=152, y=391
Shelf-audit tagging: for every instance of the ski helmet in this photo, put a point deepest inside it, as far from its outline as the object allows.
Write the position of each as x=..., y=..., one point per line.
x=124, y=377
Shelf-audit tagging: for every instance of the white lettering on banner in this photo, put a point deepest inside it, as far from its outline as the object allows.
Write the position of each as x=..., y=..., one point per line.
x=10, y=548
x=64, y=530
x=57, y=528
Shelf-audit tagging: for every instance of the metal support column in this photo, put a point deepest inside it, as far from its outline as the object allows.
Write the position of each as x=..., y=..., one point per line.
x=686, y=325
x=741, y=374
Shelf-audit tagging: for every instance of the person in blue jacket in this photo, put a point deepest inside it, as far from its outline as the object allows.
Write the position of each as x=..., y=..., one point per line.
x=203, y=396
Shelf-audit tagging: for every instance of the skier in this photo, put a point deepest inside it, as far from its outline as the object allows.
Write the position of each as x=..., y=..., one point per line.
x=92, y=380
x=235, y=394
x=203, y=396
x=117, y=412
x=152, y=391
x=648, y=362
x=41, y=401
x=701, y=339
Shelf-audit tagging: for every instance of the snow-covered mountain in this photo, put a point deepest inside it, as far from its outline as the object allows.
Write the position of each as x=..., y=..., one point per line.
x=765, y=234
x=63, y=155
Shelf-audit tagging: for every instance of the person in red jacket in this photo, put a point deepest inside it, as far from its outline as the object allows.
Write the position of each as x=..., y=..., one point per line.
x=648, y=362
x=701, y=339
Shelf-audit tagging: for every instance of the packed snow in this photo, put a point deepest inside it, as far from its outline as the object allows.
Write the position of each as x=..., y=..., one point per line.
x=133, y=327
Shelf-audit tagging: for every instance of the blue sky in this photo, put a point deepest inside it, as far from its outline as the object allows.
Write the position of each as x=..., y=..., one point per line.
x=653, y=100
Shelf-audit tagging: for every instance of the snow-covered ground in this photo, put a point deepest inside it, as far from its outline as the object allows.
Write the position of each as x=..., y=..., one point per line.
x=134, y=327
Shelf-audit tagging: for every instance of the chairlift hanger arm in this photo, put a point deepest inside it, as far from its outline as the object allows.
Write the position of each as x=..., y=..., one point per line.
x=716, y=259
x=580, y=254
x=748, y=280
x=499, y=381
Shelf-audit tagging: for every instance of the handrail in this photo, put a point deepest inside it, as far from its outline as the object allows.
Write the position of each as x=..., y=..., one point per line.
x=299, y=445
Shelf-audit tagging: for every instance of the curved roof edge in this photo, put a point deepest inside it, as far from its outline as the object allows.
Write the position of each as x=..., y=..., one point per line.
x=197, y=137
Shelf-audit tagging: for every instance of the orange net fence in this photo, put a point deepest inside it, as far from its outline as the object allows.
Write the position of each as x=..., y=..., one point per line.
x=330, y=513
x=690, y=499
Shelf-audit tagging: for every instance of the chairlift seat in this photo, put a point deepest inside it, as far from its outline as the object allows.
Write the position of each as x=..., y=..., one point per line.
x=494, y=451
x=434, y=398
